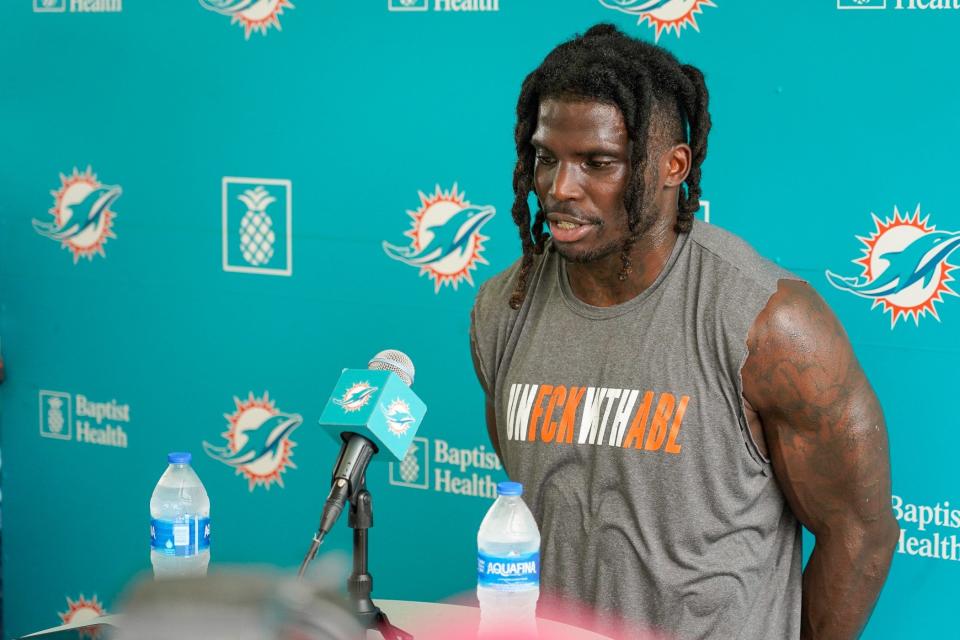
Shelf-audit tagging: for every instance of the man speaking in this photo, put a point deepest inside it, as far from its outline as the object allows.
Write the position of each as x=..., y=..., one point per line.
x=674, y=404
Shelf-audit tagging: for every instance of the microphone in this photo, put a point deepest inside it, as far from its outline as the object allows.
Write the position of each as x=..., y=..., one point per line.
x=370, y=410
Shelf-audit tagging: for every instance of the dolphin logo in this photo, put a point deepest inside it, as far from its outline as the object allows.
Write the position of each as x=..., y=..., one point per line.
x=252, y=15
x=449, y=238
x=228, y=7
x=398, y=417
x=917, y=262
x=261, y=441
x=663, y=15
x=83, y=215
x=355, y=397
x=635, y=6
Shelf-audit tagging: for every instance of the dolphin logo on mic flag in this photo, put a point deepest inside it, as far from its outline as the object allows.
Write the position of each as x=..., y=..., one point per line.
x=356, y=397
x=398, y=416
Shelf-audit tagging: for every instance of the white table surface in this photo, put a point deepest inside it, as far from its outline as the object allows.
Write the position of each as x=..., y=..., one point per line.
x=425, y=620
x=434, y=621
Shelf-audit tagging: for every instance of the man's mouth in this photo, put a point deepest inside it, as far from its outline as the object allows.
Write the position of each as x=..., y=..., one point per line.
x=567, y=228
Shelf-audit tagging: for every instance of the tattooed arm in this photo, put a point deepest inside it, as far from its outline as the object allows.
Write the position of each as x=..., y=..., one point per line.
x=822, y=426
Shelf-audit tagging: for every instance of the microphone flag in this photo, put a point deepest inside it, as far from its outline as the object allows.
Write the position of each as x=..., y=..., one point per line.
x=377, y=405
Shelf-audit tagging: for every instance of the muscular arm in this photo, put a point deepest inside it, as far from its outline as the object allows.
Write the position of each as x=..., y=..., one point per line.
x=827, y=440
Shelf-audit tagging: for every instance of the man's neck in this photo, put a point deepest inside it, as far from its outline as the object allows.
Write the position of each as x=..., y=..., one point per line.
x=598, y=283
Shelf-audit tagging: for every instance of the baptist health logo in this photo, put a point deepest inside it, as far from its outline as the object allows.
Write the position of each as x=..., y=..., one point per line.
x=258, y=443
x=82, y=217
x=928, y=531
x=456, y=471
x=67, y=417
x=77, y=6
x=662, y=15
x=445, y=240
x=904, y=267
x=258, y=226
x=443, y=5
x=252, y=15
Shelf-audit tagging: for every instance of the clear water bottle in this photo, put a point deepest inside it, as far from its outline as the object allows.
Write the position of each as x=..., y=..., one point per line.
x=508, y=565
x=179, y=521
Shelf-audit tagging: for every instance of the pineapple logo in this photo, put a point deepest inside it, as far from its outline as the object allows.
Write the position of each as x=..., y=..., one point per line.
x=256, y=228
x=252, y=15
x=56, y=415
x=82, y=611
x=407, y=5
x=257, y=224
x=50, y=6
x=413, y=471
x=410, y=468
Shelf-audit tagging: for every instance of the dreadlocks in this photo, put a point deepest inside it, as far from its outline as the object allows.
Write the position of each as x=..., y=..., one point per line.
x=647, y=84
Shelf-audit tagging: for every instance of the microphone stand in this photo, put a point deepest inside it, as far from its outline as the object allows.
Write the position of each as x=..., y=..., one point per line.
x=350, y=485
x=360, y=582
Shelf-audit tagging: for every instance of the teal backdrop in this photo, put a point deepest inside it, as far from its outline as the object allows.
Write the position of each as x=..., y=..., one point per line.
x=242, y=170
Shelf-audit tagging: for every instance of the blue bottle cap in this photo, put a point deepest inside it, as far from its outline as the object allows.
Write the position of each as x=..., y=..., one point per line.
x=179, y=457
x=510, y=489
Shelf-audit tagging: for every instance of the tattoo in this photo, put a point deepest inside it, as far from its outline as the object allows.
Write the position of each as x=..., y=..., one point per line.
x=827, y=440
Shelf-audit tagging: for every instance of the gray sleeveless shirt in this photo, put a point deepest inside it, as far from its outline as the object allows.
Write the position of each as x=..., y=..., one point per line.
x=626, y=426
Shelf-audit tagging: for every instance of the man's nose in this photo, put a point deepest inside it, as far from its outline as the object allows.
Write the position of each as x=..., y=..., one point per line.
x=565, y=184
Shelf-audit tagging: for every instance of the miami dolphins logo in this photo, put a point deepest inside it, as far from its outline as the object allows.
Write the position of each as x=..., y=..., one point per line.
x=82, y=611
x=258, y=441
x=253, y=15
x=904, y=267
x=662, y=15
x=355, y=397
x=446, y=240
x=398, y=417
x=82, y=219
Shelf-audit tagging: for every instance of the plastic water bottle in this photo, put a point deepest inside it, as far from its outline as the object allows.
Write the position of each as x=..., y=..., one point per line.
x=179, y=521
x=508, y=565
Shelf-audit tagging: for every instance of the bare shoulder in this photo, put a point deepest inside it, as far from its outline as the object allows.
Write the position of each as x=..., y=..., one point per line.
x=794, y=317
x=799, y=355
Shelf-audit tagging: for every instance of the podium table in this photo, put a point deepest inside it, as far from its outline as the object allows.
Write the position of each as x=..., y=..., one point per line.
x=425, y=620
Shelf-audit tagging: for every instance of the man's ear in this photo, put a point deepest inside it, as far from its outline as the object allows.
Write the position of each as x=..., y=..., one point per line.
x=676, y=164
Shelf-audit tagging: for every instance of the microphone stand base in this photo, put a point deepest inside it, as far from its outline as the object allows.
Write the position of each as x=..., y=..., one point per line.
x=360, y=583
x=377, y=620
